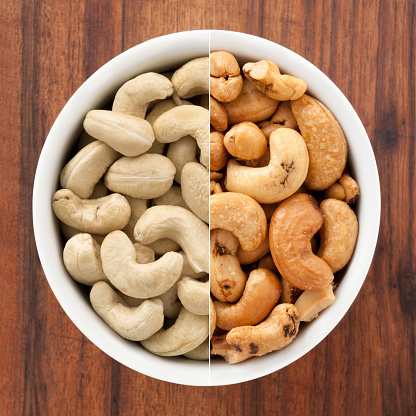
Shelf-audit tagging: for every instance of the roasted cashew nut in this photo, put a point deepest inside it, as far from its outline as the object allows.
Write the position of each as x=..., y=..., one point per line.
x=218, y=153
x=260, y=296
x=133, y=323
x=247, y=257
x=227, y=279
x=217, y=115
x=194, y=295
x=99, y=216
x=179, y=225
x=135, y=95
x=295, y=221
x=278, y=180
x=192, y=78
x=188, y=331
x=143, y=281
x=212, y=318
x=240, y=214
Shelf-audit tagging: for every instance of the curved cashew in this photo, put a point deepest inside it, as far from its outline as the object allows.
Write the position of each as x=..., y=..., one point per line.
x=192, y=78
x=338, y=234
x=133, y=323
x=327, y=147
x=85, y=169
x=195, y=189
x=266, y=77
x=82, y=259
x=227, y=279
x=188, y=331
x=118, y=257
x=179, y=225
x=99, y=216
x=163, y=246
x=135, y=95
x=201, y=352
x=182, y=121
x=172, y=197
x=218, y=153
x=295, y=221
x=180, y=153
x=260, y=295
x=217, y=115
x=240, y=214
x=247, y=257
x=212, y=318
x=146, y=176
x=278, y=180
x=127, y=134
x=194, y=295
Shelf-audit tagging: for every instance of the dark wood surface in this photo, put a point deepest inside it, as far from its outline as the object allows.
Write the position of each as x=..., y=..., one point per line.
x=366, y=366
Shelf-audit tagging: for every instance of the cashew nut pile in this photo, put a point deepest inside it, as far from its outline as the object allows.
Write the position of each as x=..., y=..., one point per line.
x=278, y=176
x=134, y=208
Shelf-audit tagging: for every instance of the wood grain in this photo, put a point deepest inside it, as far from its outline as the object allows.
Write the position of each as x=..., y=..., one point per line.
x=366, y=365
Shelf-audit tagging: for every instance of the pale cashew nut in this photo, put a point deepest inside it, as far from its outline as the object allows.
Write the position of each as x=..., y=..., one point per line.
x=127, y=134
x=260, y=296
x=188, y=331
x=82, y=259
x=266, y=77
x=172, y=197
x=118, y=257
x=227, y=279
x=86, y=168
x=180, y=153
x=218, y=153
x=146, y=176
x=171, y=304
x=246, y=141
x=138, y=206
x=195, y=189
x=187, y=269
x=68, y=232
x=163, y=246
x=278, y=180
x=247, y=257
x=179, y=225
x=133, y=323
x=217, y=115
x=99, y=191
x=240, y=214
x=182, y=121
x=194, y=295
x=192, y=78
x=200, y=353
x=144, y=254
x=99, y=216
x=84, y=140
x=135, y=95
x=338, y=234
x=295, y=221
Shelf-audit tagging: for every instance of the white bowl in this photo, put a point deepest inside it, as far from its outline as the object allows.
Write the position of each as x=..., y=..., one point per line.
x=162, y=54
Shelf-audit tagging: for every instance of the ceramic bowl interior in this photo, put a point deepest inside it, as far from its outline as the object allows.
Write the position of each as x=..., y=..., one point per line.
x=159, y=55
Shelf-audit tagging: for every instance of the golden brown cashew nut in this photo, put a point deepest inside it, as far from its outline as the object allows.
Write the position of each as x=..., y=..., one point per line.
x=192, y=78
x=217, y=115
x=218, y=153
x=143, y=281
x=93, y=216
x=266, y=77
x=133, y=323
x=260, y=296
x=278, y=180
x=351, y=189
x=247, y=257
x=290, y=293
x=227, y=279
x=277, y=331
x=135, y=95
x=325, y=140
x=194, y=295
x=212, y=318
x=240, y=214
x=338, y=234
x=188, y=331
x=295, y=221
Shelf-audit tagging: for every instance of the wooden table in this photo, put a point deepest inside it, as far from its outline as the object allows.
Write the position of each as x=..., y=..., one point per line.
x=366, y=366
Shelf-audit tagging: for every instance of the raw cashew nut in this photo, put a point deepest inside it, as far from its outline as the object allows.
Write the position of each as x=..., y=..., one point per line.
x=278, y=180
x=295, y=221
x=69, y=232
x=195, y=189
x=201, y=352
x=135, y=95
x=187, y=270
x=179, y=225
x=192, y=78
x=218, y=153
x=99, y=216
x=171, y=197
x=194, y=295
x=138, y=206
x=327, y=147
x=188, y=331
x=171, y=304
x=260, y=296
x=182, y=121
x=82, y=259
x=266, y=77
x=240, y=214
x=118, y=257
x=227, y=279
x=85, y=169
x=217, y=115
x=180, y=153
x=163, y=246
x=133, y=323
x=99, y=191
x=338, y=234
x=144, y=254
x=146, y=176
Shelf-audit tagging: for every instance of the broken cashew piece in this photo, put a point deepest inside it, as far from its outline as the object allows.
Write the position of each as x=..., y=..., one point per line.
x=194, y=295
x=188, y=331
x=192, y=78
x=133, y=323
